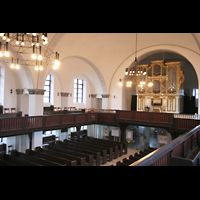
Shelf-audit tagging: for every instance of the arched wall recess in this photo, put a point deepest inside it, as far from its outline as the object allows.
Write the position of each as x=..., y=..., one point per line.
x=192, y=56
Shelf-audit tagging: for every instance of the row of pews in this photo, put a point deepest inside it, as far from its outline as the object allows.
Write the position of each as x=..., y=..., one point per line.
x=132, y=159
x=85, y=152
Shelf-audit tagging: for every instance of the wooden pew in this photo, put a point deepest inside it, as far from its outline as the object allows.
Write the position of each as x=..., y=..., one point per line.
x=121, y=146
x=121, y=164
x=132, y=159
x=124, y=145
x=89, y=157
x=99, y=146
x=110, y=148
x=80, y=160
x=3, y=147
x=16, y=161
x=3, y=162
x=108, y=145
x=103, y=152
x=48, y=139
x=52, y=158
x=112, y=143
x=34, y=159
x=193, y=159
x=96, y=154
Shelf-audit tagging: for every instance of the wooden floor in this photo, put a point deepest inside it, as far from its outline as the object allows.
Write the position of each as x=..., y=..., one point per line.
x=130, y=151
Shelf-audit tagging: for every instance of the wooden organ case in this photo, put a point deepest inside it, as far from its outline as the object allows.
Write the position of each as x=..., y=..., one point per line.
x=159, y=89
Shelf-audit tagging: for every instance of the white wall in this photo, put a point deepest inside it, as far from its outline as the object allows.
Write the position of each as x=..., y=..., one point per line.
x=2, y=72
x=86, y=91
x=10, y=100
x=191, y=56
x=55, y=90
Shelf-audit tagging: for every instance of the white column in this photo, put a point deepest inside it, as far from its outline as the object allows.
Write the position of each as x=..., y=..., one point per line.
x=36, y=102
x=64, y=99
x=199, y=99
x=93, y=101
x=22, y=143
x=19, y=99
x=63, y=135
x=37, y=139
x=105, y=101
x=11, y=141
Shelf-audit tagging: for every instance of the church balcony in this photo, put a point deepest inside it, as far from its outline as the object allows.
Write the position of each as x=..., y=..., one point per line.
x=12, y=126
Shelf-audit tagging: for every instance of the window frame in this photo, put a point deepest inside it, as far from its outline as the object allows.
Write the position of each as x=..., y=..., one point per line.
x=78, y=90
x=196, y=93
x=49, y=91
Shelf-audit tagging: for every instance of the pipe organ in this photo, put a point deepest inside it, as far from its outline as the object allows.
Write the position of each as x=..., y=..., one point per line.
x=158, y=87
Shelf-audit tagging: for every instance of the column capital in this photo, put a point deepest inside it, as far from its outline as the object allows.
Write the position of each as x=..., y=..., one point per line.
x=36, y=91
x=19, y=91
x=93, y=95
x=105, y=95
x=64, y=94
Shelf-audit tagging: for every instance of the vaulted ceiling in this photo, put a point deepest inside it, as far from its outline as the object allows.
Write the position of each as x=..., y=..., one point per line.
x=107, y=52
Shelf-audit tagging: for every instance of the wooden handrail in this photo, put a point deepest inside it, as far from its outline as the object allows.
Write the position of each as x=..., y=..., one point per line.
x=151, y=158
x=10, y=125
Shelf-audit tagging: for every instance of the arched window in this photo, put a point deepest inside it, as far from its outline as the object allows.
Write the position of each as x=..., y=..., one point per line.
x=1, y=85
x=47, y=87
x=78, y=90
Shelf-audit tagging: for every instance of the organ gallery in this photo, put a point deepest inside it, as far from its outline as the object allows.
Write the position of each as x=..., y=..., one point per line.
x=157, y=86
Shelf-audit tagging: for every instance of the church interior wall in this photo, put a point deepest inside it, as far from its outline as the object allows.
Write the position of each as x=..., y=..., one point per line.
x=110, y=55
x=10, y=86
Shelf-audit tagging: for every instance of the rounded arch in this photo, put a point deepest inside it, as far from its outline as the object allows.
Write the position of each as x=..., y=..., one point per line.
x=102, y=81
x=192, y=56
x=23, y=72
x=44, y=73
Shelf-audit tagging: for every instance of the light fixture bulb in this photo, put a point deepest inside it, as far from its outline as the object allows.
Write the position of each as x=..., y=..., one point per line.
x=17, y=66
x=1, y=54
x=41, y=68
x=36, y=68
x=12, y=66
x=4, y=37
x=55, y=67
x=120, y=83
x=7, y=54
x=17, y=42
x=57, y=62
x=40, y=57
x=33, y=56
x=22, y=43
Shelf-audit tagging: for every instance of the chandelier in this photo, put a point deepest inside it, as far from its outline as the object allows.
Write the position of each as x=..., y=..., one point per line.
x=29, y=49
x=135, y=72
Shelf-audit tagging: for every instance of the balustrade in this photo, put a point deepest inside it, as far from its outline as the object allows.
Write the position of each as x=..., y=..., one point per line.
x=36, y=123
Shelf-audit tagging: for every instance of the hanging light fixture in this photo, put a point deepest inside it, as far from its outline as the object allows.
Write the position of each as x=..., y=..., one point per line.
x=12, y=65
x=128, y=83
x=56, y=62
x=120, y=82
x=7, y=54
x=21, y=43
x=136, y=73
x=17, y=65
x=40, y=56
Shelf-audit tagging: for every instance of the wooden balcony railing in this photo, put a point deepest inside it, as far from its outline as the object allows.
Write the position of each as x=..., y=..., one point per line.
x=180, y=147
x=22, y=125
